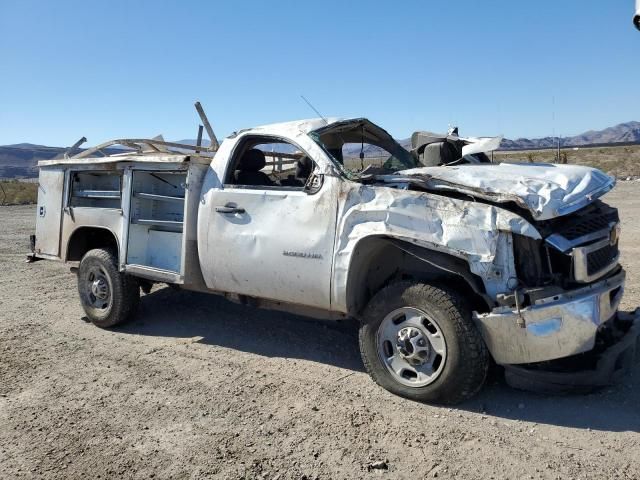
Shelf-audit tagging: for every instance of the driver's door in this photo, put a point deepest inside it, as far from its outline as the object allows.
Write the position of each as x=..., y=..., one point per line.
x=273, y=241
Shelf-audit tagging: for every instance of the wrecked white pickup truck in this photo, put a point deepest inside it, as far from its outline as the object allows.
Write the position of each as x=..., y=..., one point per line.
x=447, y=260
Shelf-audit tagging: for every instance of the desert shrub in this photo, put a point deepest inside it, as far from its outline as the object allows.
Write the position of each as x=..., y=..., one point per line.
x=13, y=192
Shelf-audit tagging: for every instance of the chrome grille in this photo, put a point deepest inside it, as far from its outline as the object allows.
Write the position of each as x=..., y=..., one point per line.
x=590, y=240
x=590, y=262
x=599, y=259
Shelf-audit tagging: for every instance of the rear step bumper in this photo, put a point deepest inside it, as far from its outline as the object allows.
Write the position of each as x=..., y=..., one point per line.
x=32, y=246
x=606, y=367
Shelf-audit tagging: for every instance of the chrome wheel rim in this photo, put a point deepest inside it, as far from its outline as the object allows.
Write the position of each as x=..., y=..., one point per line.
x=412, y=346
x=98, y=288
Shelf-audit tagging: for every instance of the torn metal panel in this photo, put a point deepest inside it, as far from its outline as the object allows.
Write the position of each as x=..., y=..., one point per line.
x=546, y=190
x=499, y=276
x=480, y=145
x=554, y=327
x=476, y=232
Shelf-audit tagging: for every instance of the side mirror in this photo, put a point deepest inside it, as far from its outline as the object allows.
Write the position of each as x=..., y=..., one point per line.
x=314, y=183
x=636, y=17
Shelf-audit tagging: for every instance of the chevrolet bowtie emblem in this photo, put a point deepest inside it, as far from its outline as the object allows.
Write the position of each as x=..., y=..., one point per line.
x=614, y=235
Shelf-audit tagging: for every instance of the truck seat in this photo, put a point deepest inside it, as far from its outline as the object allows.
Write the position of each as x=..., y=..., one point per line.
x=248, y=170
x=439, y=153
x=304, y=166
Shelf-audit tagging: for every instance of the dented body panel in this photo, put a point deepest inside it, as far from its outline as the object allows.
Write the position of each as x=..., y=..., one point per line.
x=475, y=232
x=545, y=190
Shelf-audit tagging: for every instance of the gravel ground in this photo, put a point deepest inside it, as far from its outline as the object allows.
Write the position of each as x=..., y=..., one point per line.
x=197, y=387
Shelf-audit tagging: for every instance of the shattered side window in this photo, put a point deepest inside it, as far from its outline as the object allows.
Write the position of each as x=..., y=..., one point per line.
x=331, y=154
x=358, y=157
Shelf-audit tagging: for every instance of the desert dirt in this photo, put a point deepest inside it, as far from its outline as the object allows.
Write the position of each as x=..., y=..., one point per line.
x=198, y=387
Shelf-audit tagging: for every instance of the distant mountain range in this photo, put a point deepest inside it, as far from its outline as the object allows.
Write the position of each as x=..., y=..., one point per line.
x=622, y=133
x=20, y=160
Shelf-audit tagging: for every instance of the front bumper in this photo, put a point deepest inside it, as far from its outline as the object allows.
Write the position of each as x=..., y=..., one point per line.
x=554, y=327
x=616, y=353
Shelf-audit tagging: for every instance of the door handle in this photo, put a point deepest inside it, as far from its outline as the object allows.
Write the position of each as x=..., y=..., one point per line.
x=230, y=209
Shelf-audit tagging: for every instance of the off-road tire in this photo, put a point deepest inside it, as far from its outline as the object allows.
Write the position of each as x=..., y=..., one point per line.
x=467, y=361
x=124, y=289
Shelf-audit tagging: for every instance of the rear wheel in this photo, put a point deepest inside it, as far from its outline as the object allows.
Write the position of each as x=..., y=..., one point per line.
x=108, y=296
x=419, y=341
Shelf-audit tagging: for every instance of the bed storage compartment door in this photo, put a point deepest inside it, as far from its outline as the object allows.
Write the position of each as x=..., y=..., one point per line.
x=156, y=220
x=165, y=250
x=49, y=211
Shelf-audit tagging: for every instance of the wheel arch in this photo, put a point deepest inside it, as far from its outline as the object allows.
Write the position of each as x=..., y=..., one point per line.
x=86, y=238
x=378, y=260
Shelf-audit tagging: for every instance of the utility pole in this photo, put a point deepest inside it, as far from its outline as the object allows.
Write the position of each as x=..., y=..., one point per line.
x=553, y=127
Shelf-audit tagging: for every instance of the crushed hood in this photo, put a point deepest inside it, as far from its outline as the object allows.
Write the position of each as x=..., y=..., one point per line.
x=546, y=190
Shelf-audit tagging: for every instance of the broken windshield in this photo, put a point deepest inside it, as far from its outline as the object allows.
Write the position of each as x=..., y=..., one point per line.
x=359, y=147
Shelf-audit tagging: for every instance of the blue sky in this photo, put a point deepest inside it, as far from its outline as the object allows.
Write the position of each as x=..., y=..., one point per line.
x=134, y=68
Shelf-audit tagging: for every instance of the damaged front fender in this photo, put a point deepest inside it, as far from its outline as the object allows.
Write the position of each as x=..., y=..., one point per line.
x=476, y=232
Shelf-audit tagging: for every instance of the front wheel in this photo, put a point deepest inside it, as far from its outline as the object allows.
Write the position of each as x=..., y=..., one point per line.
x=108, y=297
x=419, y=341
